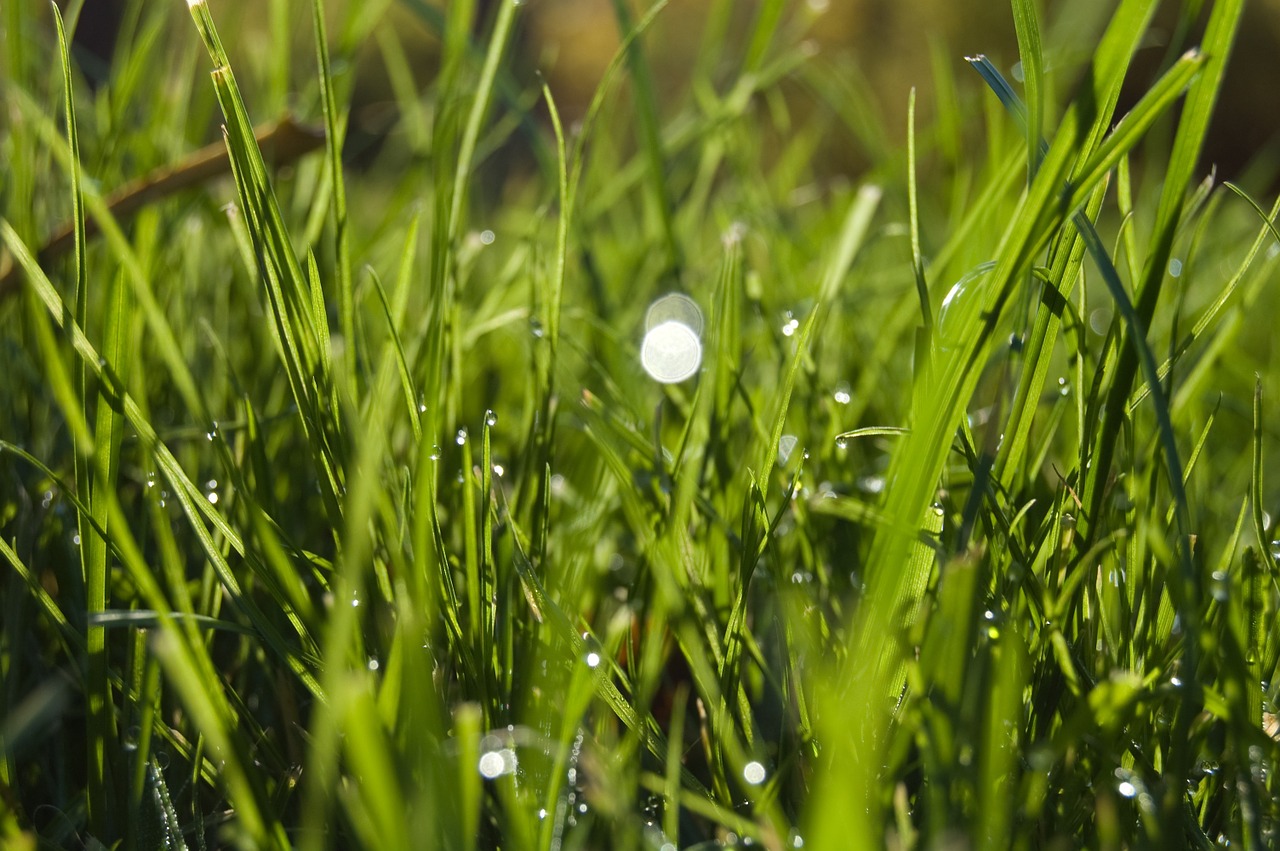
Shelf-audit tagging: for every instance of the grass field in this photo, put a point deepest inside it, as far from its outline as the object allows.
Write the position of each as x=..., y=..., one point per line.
x=338, y=508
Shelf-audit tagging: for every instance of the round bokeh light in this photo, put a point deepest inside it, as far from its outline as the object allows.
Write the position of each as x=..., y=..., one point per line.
x=671, y=352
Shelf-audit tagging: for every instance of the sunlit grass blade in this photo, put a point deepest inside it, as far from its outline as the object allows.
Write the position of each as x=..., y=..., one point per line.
x=335, y=132
x=96, y=465
x=1188, y=141
x=650, y=141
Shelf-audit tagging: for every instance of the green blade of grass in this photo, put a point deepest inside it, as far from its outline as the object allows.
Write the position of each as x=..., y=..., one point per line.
x=650, y=140
x=96, y=465
x=1192, y=126
x=335, y=131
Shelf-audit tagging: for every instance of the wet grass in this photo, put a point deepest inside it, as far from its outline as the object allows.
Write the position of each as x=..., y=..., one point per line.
x=338, y=509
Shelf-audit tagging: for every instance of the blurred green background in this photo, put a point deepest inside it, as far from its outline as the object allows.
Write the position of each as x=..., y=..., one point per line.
x=870, y=52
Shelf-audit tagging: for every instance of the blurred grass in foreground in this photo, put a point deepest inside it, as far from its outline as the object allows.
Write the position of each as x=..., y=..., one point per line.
x=338, y=510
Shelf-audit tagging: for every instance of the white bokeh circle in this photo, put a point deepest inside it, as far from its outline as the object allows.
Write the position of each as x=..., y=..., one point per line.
x=671, y=352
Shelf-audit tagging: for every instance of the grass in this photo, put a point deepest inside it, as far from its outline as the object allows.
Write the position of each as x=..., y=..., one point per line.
x=338, y=511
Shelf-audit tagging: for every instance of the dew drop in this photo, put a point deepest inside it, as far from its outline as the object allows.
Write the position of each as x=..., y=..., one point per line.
x=486, y=236
x=535, y=328
x=671, y=352
x=1219, y=586
x=754, y=773
x=790, y=325
x=130, y=742
x=496, y=763
x=871, y=484
x=490, y=418
x=212, y=433
x=1064, y=387
x=842, y=442
x=1100, y=320
x=461, y=437
x=1175, y=267
x=842, y=395
x=674, y=307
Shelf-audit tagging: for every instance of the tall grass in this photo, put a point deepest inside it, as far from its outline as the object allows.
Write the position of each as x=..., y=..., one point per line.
x=339, y=512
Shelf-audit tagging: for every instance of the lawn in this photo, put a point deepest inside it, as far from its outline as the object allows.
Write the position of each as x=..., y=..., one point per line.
x=634, y=476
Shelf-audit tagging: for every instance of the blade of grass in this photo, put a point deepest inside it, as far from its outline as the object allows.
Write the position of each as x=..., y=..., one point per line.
x=95, y=463
x=335, y=132
x=1189, y=138
x=646, y=105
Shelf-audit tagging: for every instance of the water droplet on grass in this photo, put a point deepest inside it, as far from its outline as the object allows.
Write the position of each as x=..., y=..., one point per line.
x=490, y=418
x=130, y=741
x=790, y=324
x=754, y=773
x=1175, y=267
x=1100, y=320
x=496, y=763
x=1219, y=586
x=871, y=484
x=842, y=395
x=486, y=237
x=674, y=307
x=671, y=352
x=461, y=437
